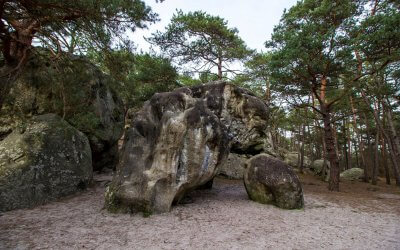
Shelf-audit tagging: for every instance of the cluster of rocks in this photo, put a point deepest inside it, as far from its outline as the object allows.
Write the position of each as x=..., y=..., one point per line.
x=321, y=167
x=59, y=123
x=179, y=140
x=63, y=121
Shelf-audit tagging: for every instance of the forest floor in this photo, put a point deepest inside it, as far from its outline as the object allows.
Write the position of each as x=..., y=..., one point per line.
x=361, y=216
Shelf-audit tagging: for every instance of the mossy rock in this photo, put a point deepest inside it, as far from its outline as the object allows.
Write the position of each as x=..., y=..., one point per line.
x=76, y=90
x=352, y=174
x=271, y=181
x=46, y=160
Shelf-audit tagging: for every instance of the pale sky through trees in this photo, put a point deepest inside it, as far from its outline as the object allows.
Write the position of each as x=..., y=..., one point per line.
x=255, y=19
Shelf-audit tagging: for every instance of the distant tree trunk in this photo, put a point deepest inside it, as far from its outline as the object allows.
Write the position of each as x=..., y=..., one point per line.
x=392, y=149
x=325, y=160
x=349, y=151
x=376, y=151
x=392, y=142
x=376, y=159
x=301, y=165
x=383, y=144
x=384, y=160
x=310, y=142
x=346, y=156
x=361, y=146
x=366, y=170
x=393, y=132
x=356, y=148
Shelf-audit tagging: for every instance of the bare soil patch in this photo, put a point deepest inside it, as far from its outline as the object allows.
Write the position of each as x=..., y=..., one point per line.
x=361, y=216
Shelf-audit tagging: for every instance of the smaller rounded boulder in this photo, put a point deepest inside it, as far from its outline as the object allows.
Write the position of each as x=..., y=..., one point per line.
x=271, y=181
x=352, y=174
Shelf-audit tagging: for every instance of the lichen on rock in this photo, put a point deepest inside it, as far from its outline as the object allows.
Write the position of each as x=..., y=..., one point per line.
x=46, y=160
x=352, y=174
x=76, y=90
x=271, y=181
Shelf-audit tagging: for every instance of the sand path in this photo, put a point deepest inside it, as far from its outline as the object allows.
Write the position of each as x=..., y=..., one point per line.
x=221, y=218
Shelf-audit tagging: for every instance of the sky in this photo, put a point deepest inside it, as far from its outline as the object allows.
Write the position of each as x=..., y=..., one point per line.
x=255, y=19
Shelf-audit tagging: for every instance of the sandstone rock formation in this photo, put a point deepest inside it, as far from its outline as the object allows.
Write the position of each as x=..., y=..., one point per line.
x=233, y=167
x=291, y=158
x=43, y=161
x=178, y=140
x=270, y=181
x=76, y=90
x=352, y=174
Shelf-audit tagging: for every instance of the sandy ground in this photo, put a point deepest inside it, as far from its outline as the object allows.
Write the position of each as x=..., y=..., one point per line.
x=359, y=217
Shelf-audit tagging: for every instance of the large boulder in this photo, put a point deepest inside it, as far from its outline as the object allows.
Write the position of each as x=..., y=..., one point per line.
x=75, y=89
x=177, y=142
x=352, y=174
x=271, y=181
x=292, y=158
x=233, y=167
x=43, y=161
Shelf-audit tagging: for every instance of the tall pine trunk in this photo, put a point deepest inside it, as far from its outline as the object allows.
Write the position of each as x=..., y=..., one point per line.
x=331, y=149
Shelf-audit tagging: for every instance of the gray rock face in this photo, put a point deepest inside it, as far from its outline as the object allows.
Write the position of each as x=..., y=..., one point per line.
x=317, y=167
x=244, y=115
x=291, y=158
x=352, y=174
x=47, y=160
x=76, y=90
x=233, y=167
x=270, y=181
x=177, y=142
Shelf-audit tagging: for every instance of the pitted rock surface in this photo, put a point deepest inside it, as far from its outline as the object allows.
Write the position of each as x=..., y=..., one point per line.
x=177, y=142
